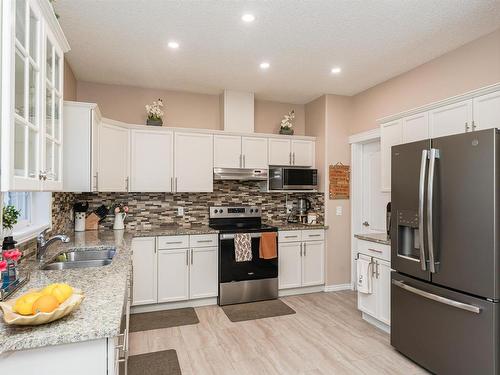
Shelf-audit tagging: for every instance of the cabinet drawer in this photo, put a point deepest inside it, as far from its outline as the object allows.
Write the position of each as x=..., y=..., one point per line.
x=172, y=242
x=203, y=240
x=374, y=249
x=313, y=235
x=290, y=236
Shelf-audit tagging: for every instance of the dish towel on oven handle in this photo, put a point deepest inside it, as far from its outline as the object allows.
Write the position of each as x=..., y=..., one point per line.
x=242, y=247
x=364, y=280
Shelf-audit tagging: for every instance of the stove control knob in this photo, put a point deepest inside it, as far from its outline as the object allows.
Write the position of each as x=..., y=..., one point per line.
x=251, y=210
x=256, y=210
x=215, y=211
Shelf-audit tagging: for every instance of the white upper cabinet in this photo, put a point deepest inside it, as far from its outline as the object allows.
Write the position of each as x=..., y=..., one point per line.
x=254, y=152
x=227, y=151
x=451, y=119
x=390, y=135
x=193, y=162
x=487, y=111
x=416, y=127
x=113, y=158
x=32, y=89
x=280, y=152
x=302, y=153
x=151, y=161
x=81, y=130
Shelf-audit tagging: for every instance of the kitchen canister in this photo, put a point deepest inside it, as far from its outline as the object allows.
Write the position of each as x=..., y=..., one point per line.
x=80, y=221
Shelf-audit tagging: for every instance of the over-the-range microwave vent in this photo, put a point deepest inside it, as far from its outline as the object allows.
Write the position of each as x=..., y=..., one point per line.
x=240, y=174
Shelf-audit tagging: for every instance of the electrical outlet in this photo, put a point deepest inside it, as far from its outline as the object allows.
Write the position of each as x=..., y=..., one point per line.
x=289, y=207
x=180, y=211
x=338, y=210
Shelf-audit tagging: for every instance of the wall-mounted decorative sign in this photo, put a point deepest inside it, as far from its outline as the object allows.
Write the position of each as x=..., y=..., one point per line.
x=339, y=175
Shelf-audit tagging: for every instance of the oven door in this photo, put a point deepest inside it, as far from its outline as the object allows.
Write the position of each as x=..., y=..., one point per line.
x=300, y=179
x=256, y=269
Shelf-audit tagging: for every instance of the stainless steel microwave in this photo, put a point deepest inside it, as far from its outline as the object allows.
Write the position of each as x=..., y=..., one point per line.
x=283, y=178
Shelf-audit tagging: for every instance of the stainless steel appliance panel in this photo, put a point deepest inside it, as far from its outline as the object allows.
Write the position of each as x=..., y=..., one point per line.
x=408, y=233
x=248, y=291
x=281, y=178
x=465, y=218
x=446, y=332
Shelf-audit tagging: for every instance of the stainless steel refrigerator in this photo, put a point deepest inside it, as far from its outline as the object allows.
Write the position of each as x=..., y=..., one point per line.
x=445, y=235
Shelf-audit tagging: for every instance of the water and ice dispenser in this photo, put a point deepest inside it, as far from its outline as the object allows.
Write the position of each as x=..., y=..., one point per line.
x=408, y=234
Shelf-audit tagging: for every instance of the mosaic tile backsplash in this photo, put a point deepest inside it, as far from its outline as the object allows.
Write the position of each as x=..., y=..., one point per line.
x=152, y=210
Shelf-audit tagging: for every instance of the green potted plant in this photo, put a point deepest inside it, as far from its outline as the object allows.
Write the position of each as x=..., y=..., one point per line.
x=10, y=215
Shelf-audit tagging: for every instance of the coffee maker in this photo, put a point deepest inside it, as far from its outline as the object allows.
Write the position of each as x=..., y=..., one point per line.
x=303, y=206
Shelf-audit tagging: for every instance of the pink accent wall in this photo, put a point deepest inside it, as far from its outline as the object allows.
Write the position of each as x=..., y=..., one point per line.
x=474, y=65
x=183, y=109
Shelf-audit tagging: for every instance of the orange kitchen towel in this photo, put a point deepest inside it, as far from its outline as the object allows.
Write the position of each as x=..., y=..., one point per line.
x=268, y=248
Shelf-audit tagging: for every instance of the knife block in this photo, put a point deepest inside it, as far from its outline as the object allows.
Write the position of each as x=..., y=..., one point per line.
x=92, y=222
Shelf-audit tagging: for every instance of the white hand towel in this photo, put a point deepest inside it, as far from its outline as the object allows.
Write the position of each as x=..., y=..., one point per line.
x=364, y=279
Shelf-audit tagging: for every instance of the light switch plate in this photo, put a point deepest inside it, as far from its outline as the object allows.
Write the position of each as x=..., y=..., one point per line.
x=338, y=211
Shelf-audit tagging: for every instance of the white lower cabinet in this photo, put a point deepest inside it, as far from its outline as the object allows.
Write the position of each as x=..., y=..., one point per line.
x=301, y=261
x=203, y=275
x=174, y=268
x=376, y=304
x=173, y=275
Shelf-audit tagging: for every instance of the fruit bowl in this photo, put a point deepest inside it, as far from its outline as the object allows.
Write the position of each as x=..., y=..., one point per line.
x=10, y=317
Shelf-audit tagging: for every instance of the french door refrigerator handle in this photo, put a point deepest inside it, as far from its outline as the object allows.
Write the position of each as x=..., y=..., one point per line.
x=435, y=297
x=421, y=196
x=433, y=155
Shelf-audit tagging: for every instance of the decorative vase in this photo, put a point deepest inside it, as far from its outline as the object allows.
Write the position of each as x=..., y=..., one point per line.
x=286, y=131
x=119, y=221
x=157, y=122
x=8, y=241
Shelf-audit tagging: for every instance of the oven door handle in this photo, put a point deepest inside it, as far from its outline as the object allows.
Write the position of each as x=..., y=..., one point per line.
x=230, y=236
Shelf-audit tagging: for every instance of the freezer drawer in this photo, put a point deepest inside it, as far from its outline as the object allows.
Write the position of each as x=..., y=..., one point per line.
x=444, y=331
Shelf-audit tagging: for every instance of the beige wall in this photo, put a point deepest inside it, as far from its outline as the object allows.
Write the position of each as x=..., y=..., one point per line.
x=69, y=83
x=315, y=118
x=469, y=67
x=183, y=109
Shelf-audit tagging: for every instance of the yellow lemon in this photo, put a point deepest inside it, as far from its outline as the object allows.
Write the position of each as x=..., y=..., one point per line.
x=24, y=304
x=56, y=292
x=66, y=290
x=45, y=304
x=47, y=291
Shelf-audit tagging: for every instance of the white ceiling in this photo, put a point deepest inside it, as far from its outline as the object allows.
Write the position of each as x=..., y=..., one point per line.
x=124, y=42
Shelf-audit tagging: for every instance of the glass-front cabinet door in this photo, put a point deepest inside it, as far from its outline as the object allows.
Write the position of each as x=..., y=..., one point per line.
x=32, y=51
x=52, y=144
x=26, y=103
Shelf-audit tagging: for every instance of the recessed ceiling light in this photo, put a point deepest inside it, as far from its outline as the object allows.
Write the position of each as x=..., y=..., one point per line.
x=264, y=65
x=336, y=70
x=173, y=45
x=248, y=17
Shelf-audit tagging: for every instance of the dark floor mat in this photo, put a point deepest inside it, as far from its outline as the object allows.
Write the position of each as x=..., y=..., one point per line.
x=162, y=319
x=157, y=363
x=257, y=310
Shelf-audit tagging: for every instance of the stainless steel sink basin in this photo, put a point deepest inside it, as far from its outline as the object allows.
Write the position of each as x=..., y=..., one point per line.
x=81, y=259
x=76, y=264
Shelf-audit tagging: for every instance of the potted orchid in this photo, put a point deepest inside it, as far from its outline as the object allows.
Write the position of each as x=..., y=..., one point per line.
x=121, y=212
x=155, y=113
x=286, y=126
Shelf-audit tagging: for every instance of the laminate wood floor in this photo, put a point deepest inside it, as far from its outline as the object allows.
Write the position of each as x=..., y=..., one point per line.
x=326, y=336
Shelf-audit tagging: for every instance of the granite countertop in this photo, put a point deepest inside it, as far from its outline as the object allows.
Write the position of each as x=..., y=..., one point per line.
x=172, y=230
x=381, y=238
x=296, y=226
x=100, y=313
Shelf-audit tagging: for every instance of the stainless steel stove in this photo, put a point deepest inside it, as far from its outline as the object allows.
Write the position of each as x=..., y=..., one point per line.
x=249, y=281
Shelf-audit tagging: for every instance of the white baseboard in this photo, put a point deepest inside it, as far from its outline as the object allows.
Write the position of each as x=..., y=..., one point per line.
x=303, y=290
x=377, y=323
x=173, y=305
x=338, y=287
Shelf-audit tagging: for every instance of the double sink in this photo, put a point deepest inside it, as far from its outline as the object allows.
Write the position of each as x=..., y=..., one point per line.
x=81, y=259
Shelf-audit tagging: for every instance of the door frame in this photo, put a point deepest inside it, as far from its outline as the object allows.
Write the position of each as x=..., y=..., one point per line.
x=357, y=141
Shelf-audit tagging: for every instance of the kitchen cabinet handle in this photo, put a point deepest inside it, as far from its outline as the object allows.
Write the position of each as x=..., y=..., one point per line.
x=294, y=236
x=435, y=297
x=172, y=184
x=301, y=249
x=293, y=158
x=244, y=161
x=174, y=242
x=126, y=183
x=473, y=125
x=42, y=175
x=466, y=126
x=187, y=257
x=176, y=184
x=97, y=181
x=191, y=256
x=372, y=263
x=290, y=158
x=313, y=235
x=305, y=249
x=203, y=241
x=377, y=272
x=376, y=251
